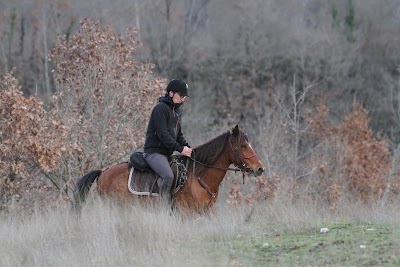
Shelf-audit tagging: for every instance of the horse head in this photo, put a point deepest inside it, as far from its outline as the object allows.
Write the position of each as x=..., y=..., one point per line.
x=243, y=155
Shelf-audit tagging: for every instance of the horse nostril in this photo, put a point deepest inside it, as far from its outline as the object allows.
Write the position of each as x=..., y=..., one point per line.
x=260, y=171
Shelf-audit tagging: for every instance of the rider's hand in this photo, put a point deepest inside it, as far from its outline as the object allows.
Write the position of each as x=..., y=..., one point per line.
x=187, y=151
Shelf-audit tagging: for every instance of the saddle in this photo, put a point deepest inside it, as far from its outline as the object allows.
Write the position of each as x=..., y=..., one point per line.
x=145, y=182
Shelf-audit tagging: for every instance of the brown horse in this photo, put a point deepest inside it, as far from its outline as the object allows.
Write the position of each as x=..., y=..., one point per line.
x=205, y=172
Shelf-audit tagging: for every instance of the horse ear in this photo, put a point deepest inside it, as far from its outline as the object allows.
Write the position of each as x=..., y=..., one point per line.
x=235, y=131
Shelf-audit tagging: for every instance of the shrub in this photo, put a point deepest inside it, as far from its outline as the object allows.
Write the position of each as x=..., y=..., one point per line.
x=355, y=163
x=103, y=95
x=31, y=138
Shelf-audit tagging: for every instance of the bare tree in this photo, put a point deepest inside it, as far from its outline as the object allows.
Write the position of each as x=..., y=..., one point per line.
x=169, y=36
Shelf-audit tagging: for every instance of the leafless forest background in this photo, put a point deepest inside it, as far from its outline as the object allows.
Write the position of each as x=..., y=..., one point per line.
x=315, y=84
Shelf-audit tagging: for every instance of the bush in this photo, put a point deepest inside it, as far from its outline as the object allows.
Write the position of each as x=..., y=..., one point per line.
x=97, y=116
x=352, y=162
x=31, y=138
x=103, y=95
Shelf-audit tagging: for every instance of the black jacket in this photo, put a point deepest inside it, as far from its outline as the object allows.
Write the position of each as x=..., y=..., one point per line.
x=163, y=133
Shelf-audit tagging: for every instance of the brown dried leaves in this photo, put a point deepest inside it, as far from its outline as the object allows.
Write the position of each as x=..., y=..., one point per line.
x=30, y=137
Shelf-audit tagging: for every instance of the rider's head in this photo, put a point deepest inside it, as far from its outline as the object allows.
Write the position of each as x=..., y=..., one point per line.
x=178, y=86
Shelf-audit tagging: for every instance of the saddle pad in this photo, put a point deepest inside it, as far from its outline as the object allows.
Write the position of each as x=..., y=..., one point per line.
x=143, y=183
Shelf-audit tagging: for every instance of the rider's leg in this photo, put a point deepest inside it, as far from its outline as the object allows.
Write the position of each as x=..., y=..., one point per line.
x=159, y=163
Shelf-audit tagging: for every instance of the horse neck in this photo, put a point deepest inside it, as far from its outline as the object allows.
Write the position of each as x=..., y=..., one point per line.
x=214, y=176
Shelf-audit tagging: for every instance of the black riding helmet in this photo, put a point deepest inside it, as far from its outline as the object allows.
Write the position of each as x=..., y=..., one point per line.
x=178, y=86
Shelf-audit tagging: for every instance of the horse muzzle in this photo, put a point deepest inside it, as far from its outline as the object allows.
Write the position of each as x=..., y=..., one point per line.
x=256, y=172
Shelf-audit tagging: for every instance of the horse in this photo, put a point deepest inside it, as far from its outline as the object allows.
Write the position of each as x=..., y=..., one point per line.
x=206, y=170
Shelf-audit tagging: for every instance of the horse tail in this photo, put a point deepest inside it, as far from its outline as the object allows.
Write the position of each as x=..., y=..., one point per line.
x=83, y=185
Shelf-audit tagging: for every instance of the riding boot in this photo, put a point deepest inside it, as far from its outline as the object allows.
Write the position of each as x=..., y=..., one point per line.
x=165, y=194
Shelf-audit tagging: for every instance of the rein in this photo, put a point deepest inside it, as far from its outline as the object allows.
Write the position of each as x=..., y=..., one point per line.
x=215, y=167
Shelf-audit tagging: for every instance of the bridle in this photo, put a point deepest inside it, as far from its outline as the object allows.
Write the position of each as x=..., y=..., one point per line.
x=241, y=157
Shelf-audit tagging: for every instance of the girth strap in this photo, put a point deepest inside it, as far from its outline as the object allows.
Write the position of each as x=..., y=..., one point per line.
x=205, y=186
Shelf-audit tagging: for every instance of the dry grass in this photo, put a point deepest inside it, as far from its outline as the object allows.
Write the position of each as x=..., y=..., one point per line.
x=105, y=234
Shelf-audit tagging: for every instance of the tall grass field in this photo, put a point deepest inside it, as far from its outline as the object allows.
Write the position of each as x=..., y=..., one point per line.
x=268, y=234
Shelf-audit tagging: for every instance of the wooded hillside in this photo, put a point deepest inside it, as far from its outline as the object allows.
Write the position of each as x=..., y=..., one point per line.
x=304, y=78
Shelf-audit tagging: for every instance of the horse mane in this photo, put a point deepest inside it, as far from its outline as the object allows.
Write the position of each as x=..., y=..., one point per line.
x=208, y=152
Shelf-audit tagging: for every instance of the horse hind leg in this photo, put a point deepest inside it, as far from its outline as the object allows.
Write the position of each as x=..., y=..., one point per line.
x=114, y=183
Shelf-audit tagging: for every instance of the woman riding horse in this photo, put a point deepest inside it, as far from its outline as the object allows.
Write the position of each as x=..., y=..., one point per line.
x=206, y=170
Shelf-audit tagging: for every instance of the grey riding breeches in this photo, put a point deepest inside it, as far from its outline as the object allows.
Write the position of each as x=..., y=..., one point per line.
x=159, y=163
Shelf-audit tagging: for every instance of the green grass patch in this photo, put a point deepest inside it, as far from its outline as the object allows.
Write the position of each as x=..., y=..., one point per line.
x=344, y=244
